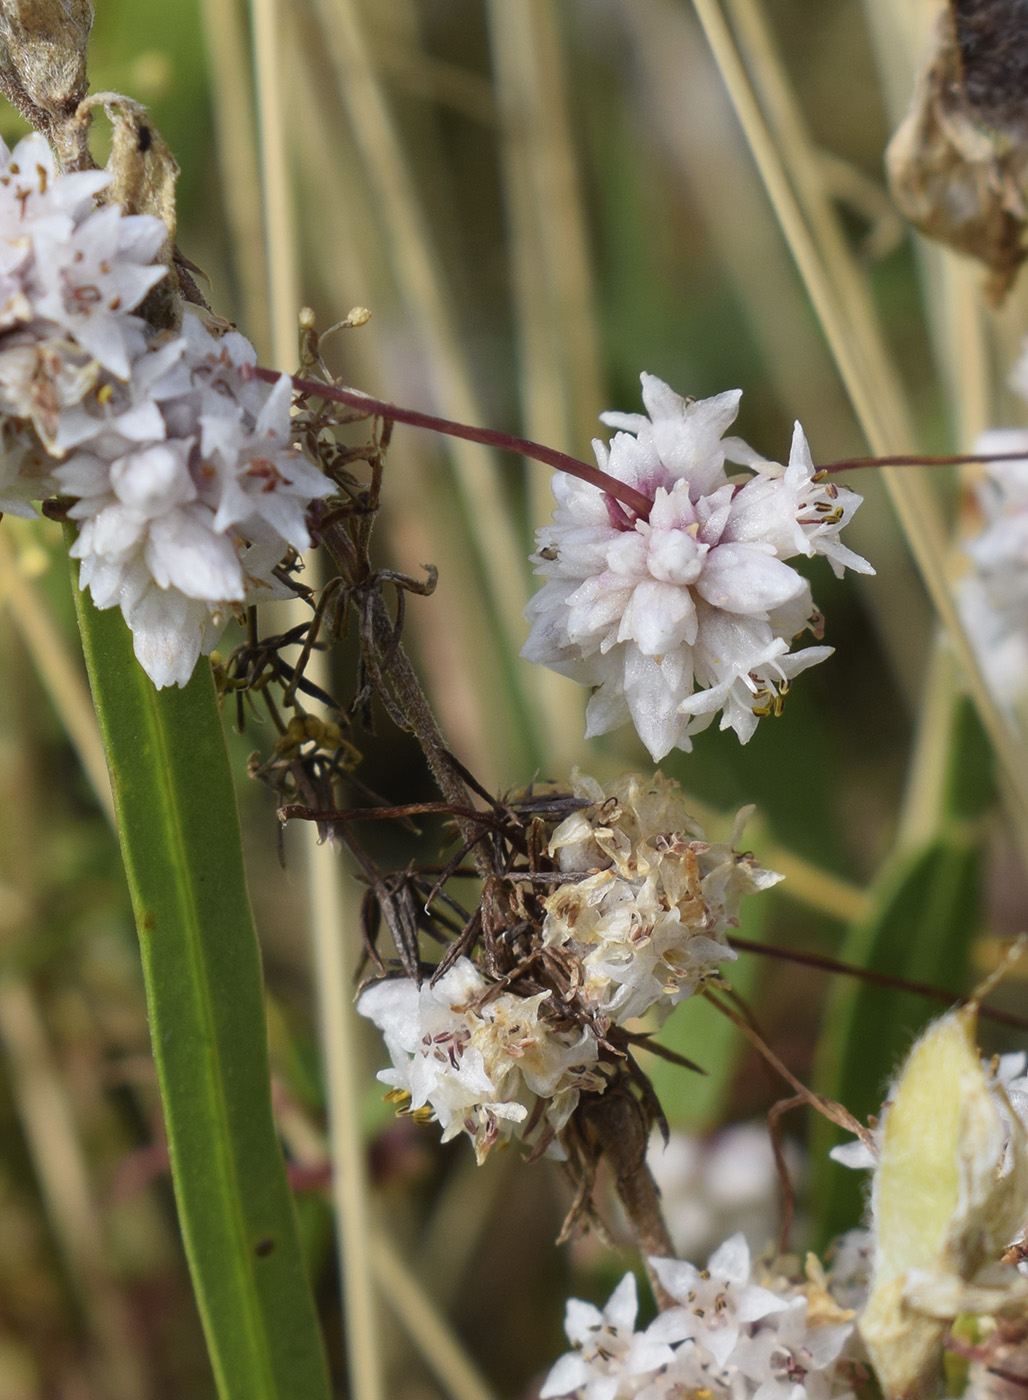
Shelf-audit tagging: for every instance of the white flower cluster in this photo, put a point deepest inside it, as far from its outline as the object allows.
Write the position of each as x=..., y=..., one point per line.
x=643, y=913
x=993, y=597
x=649, y=920
x=691, y=609
x=188, y=490
x=729, y=1338
x=486, y=1064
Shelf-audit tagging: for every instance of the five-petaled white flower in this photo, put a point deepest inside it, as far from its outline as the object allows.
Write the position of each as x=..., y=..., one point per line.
x=610, y=1359
x=691, y=609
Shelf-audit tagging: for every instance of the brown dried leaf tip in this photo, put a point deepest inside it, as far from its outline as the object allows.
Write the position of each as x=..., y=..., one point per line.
x=958, y=163
x=43, y=66
x=143, y=174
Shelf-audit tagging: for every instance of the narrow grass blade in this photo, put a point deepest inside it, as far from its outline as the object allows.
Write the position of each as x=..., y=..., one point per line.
x=181, y=846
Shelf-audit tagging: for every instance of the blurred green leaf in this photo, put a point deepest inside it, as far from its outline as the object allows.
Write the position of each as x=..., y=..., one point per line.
x=181, y=846
x=972, y=782
x=698, y=1031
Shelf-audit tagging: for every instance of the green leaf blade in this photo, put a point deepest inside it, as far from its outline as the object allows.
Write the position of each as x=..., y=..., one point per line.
x=181, y=845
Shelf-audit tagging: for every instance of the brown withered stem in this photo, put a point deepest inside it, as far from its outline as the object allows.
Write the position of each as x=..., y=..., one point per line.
x=620, y=1128
x=345, y=534
x=502, y=843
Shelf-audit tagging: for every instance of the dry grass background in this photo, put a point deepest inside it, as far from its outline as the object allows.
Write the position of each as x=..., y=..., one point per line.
x=536, y=201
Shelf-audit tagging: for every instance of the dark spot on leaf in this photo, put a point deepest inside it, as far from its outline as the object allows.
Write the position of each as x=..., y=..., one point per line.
x=263, y=1248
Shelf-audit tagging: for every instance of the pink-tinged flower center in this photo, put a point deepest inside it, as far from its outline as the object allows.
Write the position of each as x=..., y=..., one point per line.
x=619, y=516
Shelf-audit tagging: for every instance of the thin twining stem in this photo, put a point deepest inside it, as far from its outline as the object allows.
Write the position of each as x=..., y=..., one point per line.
x=878, y=979
x=636, y=501
x=957, y=459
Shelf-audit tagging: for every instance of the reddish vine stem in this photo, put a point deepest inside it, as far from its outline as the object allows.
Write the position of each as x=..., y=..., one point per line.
x=848, y=464
x=878, y=979
x=636, y=501
x=488, y=437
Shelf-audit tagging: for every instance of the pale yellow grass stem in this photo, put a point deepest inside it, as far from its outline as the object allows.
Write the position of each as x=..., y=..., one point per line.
x=928, y=770
x=691, y=113
x=917, y=509
x=329, y=920
x=818, y=889
x=55, y=1146
x=419, y=273
x=334, y=915
x=282, y=274
x=234, y=124
x=872, y=360
x=434, y=80
x=922, y=807
x=60, y=676
x=426, y=1327
x=963, y=353
x=558, y=360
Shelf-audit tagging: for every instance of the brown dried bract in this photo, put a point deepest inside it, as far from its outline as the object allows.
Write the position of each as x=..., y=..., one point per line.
x=143, y=174
x=958, y=164
x=43, y=66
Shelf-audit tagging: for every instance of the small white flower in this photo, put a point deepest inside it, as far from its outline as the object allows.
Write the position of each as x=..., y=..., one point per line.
x=188, y=490
x=477, y=1062
x=261, y=475
x=87, y=283
x=794, y=511
x=610, y=1359
x=36, y=199
x=114, y=414
x=787, y=1359
x=716, y=1302
x=730, y=1338
x=657, y=613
